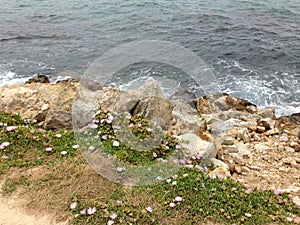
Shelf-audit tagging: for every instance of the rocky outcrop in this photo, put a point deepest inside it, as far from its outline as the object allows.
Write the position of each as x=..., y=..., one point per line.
x=251, y=145
x=51, y=103
x=38, y=78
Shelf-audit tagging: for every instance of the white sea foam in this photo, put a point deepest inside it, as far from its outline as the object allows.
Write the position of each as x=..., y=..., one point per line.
x=9, y=77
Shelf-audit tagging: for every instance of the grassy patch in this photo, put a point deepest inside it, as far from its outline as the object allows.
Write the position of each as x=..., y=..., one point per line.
x=133, y=140
x=25, y=144
x=193, y=200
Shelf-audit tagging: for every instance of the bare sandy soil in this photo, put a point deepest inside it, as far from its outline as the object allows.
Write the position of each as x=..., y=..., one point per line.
x=12, y=212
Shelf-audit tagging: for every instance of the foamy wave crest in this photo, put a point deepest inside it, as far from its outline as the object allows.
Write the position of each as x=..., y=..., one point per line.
x=9, y=77
x=278, y=90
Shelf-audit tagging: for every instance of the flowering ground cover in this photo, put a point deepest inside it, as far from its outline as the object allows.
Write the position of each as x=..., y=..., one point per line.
x=48, y=167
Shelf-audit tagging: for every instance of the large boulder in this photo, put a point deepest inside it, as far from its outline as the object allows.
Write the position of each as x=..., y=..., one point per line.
x=194, y=145
x=37, y=100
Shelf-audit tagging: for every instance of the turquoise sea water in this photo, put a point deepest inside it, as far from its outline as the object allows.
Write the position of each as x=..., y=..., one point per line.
x=252, y=46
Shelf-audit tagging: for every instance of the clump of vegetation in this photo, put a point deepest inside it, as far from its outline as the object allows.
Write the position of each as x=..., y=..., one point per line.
x=131, y=139
x=24, y=143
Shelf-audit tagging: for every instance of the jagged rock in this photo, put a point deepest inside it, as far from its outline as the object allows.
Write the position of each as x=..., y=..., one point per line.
x=155, y=108
x=57, y=119
x=261, y=147
x=295, y=146
x=220, y=172
x=185, y=97
x=69, y=80
x=230, y=149
x=228, y=141
x=186, y=118
x=267, y=123
x=243, y=157
x=260, y=129
x=38, y=78
x=218, y=163
x=203, y=106
x=289, y=149
x=294, y=118
x=194, y=145
x=240, y=104
x=267, y=113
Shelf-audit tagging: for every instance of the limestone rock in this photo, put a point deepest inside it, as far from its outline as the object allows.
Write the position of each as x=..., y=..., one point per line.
x=57, y=119
x=267, y=123
x=218, y=163
x=194, y=145
x=185, y=97
x=220, y=172
x=244, y=156
x=267, y=113
x=35, y=100
x=154, y=108
x=228, y=141
x=261, y=147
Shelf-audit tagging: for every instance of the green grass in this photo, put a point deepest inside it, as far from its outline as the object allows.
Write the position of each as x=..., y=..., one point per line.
x=28, y=143
x=204, y=199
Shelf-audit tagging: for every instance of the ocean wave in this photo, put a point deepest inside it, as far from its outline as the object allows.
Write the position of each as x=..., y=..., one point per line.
x=29, y=37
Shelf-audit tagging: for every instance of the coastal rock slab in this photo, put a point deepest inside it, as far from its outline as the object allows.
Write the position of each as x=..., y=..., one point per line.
x=35, y=100
x=194, y=145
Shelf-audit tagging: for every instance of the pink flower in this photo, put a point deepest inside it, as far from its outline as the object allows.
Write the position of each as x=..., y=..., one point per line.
x=5, y=144
x=119, y=202
x=93, y=126
x=249, y=190
x=296, y=201
x=277, y=192
x=73, y=205
x=108, y=120
x=113, y=216
x=110, y=222
x=49, y=149
x=104, y=137
x=172, y=204
x=175, y=176
x=198, y=167
x=149, y=209
x=11, y=128
x=64, y=153
x=185, y=175
x=116, y=144
x=178, y=199
x=58, y=135
x=199, y=155
x=83, y=211
x=154, y=154
x=91, y=211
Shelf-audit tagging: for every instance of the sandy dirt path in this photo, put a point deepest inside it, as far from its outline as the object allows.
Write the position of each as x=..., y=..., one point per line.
x=12, y=213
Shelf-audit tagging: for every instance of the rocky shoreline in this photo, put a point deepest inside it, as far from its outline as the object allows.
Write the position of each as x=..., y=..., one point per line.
x=248, y=144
